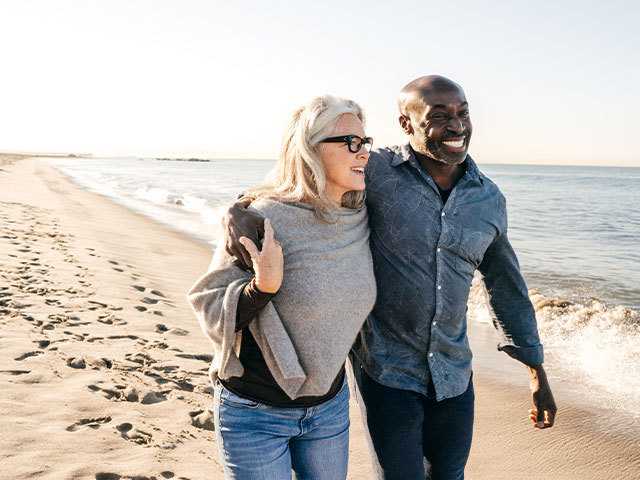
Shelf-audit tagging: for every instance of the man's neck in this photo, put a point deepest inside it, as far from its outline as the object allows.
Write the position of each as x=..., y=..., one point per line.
x=445, y=175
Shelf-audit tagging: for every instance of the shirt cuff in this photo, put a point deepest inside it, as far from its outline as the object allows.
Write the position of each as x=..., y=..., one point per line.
x=260, y=298
x=530, y=356
x=251, y=301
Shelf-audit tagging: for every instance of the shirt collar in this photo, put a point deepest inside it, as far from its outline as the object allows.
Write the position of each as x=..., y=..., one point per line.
x=405, y=154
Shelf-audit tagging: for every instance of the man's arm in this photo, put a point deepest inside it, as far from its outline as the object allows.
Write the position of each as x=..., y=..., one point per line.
x=509, y=298
x=515, y=316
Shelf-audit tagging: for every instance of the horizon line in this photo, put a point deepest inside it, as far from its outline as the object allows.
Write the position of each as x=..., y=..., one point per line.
x=75, y=155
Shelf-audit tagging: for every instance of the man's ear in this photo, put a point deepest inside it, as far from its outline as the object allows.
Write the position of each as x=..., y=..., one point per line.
x=405, y=124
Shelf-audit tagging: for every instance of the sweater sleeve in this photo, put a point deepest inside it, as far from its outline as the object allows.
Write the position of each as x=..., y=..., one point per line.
x=251, y=301
x=214, y=299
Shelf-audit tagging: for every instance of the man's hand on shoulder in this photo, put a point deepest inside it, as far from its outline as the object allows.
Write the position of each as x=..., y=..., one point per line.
x=543, y=413
x=239, y=222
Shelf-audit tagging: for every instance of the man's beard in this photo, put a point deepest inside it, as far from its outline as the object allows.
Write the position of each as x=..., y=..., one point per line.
x=434, y=151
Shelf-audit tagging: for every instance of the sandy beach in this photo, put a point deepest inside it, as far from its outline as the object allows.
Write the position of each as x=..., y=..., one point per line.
x=103, y=372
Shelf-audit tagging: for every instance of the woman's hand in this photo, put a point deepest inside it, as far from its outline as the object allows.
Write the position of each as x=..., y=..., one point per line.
x=268, y=264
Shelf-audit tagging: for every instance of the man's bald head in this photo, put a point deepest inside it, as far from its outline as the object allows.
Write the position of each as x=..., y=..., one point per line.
x=434, y=113
x=418, y=92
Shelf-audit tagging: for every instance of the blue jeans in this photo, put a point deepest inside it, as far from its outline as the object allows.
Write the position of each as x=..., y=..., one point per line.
x=260, y=442
x=407, y=427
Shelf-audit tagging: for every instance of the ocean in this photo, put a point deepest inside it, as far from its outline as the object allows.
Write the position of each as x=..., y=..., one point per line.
x=576, y=231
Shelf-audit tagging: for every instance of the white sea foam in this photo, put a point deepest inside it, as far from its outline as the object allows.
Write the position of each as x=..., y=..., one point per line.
x=598, y=344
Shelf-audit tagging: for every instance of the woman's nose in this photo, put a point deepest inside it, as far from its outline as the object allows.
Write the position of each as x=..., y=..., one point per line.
x=363, y=154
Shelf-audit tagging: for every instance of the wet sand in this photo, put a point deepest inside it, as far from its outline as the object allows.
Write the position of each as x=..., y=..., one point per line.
x=104, y=368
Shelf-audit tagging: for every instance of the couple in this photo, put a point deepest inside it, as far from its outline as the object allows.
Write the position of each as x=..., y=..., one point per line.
x=314, y=272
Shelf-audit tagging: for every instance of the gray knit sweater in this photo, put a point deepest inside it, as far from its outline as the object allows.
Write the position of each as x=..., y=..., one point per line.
x=307, y=329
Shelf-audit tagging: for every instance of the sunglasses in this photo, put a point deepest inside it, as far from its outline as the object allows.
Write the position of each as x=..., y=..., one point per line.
x=354, y=142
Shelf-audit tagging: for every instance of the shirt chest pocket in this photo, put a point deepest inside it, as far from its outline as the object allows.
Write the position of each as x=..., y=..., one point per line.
x=473, y=244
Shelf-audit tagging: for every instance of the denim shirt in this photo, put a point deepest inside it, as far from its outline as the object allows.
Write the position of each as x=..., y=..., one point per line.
x=425, y=255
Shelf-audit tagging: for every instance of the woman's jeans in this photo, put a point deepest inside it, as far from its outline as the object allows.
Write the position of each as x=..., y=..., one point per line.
x=257, y=441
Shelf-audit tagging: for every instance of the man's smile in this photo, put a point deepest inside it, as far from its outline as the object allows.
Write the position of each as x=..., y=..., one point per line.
x=456, y=144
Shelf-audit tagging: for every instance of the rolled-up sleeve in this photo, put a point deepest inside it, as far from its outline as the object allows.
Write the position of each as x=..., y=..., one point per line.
x=514, y=314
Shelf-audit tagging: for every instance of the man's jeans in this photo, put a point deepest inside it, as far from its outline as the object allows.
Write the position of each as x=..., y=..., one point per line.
x=257, y=441
x=407, y=427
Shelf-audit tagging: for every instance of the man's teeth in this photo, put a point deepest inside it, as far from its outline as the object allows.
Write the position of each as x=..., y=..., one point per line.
x=454, y=143
x=358, y=170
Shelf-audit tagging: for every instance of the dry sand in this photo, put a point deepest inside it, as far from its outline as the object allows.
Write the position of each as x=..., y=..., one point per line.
x=103, y=373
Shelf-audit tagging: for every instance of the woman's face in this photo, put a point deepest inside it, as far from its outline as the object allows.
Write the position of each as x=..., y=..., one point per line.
x=344, y=170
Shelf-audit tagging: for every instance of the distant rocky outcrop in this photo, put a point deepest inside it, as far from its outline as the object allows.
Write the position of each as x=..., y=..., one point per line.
x=183, y=159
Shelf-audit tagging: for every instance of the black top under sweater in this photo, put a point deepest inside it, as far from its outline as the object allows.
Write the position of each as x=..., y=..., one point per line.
x=257, y=382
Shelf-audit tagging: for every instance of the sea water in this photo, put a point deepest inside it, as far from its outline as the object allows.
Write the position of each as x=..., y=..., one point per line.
x=576, y=231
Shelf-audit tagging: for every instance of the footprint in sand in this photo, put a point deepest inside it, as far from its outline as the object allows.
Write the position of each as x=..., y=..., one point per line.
x=108, y=476
x=92, y=423
x=205, y=357
x=114, y=392
x=179, y=383
x=16, y=372
x=28, y=354
x=162, y=328
x=202, y=419
x=111, y=319
x=95, y=304
x=122, y=393
x=114, y=476
x=76, y=362
x=140, y=358
x=75, y=336
x=128, y=337
x=133, y=434
x=93, y=362
x=150, y=397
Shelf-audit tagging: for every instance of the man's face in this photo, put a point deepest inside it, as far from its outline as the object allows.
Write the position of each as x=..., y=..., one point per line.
x=440, y=126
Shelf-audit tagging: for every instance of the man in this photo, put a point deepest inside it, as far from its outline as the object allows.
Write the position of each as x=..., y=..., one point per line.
x=435, y=219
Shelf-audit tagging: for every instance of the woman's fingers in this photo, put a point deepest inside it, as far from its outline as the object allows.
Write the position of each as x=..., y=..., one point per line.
x=269, y=237
x=268, y=233
x=250, y=247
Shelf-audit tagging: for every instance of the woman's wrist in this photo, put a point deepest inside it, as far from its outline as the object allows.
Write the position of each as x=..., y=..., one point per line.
x=266, y=290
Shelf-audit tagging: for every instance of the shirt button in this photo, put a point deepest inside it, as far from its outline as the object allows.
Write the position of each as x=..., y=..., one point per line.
x=443, y=214
x=430, y=354
x=439, y=287
x=434, y=323
x=438, y=250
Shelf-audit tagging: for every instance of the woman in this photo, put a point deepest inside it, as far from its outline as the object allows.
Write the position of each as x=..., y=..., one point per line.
x=282, y=332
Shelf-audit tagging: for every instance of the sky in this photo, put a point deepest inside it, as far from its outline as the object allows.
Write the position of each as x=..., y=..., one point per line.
x=548, y=82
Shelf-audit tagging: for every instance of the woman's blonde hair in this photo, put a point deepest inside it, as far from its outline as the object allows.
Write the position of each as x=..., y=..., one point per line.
x=299, y=173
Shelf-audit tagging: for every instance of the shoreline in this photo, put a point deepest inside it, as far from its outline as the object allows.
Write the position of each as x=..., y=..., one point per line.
x=94, y=257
